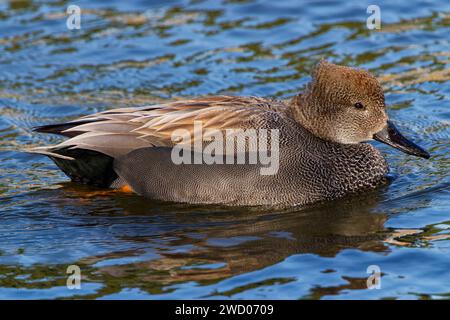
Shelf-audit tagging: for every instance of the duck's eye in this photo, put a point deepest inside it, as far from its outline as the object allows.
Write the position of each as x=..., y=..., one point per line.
x=359, y=105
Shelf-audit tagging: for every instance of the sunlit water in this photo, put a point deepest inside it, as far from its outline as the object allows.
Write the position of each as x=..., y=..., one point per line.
x=137, y=53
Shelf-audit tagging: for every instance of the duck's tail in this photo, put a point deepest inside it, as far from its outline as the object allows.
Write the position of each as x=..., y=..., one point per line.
x=81, y=165
x=48, y=151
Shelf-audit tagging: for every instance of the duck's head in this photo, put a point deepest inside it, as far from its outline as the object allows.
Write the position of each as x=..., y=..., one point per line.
x=346, y=105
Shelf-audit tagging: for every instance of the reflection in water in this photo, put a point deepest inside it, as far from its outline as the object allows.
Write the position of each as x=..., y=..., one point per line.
x=177, y=243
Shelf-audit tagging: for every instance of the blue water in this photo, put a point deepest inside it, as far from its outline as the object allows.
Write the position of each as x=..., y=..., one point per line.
x=132, y=53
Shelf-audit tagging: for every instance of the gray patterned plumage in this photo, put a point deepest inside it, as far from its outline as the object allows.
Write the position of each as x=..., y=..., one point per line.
x=322, y=149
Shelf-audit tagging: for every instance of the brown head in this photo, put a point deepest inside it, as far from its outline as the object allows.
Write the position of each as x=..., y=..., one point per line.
x=346, y=105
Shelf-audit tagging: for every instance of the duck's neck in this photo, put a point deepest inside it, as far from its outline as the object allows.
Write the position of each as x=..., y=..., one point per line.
x=308, y=117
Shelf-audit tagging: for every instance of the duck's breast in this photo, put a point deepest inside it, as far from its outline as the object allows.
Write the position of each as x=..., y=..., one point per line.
x=321, y=170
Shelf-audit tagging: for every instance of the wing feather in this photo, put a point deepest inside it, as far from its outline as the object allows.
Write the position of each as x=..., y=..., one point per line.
x=120, y=131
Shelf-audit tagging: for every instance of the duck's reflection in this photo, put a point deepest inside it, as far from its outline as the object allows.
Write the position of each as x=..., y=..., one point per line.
x=207, y=244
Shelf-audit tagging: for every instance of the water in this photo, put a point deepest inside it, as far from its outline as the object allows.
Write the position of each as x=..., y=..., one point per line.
x=137, y=53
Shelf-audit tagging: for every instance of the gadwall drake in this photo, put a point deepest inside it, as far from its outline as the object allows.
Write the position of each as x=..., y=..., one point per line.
x=320, y=145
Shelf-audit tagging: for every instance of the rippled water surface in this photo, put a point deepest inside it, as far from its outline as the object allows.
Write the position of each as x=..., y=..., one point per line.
x=142, y=52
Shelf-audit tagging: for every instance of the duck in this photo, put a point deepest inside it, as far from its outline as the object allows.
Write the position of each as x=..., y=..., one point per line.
x=321, y=146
